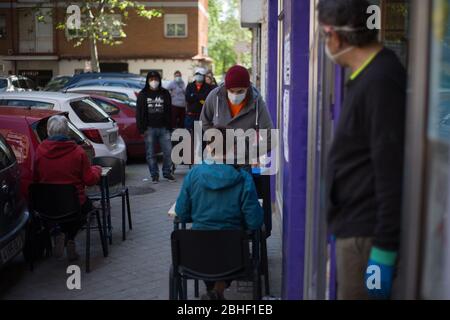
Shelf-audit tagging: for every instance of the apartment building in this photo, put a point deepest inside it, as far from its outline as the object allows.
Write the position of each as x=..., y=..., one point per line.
x=35, y=48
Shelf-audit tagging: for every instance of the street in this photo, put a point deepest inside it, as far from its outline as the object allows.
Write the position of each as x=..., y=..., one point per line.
x=136, y=269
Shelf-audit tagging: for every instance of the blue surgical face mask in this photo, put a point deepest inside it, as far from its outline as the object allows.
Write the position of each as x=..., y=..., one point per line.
x=178, y=79
x=199, y=78
x=236, y=98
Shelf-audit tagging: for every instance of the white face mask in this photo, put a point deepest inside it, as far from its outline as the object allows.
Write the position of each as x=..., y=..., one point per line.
x=178, y=79
x=236, y=98
x=334, y=57
x=154, y=84
x=199, y=78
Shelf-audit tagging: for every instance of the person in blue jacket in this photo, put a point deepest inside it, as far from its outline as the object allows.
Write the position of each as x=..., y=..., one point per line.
x=219, y=196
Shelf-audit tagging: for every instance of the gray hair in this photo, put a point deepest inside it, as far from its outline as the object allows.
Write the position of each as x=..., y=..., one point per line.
x=57, y=125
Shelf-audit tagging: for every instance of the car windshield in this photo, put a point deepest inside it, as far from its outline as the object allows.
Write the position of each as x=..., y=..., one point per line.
x=56, y=84
x=3, y=83
x=88, y=111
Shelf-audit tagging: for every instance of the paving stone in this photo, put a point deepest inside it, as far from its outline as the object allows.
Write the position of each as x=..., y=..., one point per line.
x=137, y=268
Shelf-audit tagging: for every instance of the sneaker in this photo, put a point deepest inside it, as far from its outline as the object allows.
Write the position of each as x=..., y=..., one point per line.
x=169, y=178
x=72, y=254
x=58, y=250
x=155, y=180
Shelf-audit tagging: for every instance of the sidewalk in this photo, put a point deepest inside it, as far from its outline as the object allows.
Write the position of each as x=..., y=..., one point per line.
x=136, y=269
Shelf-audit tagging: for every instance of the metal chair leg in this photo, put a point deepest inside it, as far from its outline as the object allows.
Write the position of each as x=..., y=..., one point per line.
x=196, y=289
x=123, y=218
x=102, y=237
x=88, y=244
x=265, y=265
x=129, y=210
x=172, y=285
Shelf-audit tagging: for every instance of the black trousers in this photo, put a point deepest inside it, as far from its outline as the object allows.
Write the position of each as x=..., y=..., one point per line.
x=71, y=228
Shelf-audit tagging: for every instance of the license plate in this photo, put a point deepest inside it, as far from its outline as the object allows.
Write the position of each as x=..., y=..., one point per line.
x=112, y=137
x=12, y=248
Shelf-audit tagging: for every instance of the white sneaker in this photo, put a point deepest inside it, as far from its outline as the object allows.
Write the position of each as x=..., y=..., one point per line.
x=58, y=249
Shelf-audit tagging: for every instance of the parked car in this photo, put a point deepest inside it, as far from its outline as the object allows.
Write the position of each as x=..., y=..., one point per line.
x=127, y=95
x=99, y=75
x=125, y=117
x=16, y=83
x=25, y=129
x=13, y=213
x=96, y=124
x=132, y=83
x=57, y=83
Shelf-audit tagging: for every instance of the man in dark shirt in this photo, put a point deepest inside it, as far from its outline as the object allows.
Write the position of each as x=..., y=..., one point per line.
x=366, y=158
x=196, y=94
x=153, y=119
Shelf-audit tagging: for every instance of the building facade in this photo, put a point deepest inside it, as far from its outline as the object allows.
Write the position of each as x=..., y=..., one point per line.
x=176, y=41
x=304, y=92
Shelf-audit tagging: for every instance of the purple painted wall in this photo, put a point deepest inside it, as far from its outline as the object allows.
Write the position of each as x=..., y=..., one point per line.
x=296, y=23
x=272, y=66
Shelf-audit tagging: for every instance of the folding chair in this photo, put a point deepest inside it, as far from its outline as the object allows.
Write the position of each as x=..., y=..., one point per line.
x=59, y=203
x=213, y=256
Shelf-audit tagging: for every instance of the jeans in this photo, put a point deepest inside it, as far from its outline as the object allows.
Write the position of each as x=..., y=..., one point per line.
x=151, y=137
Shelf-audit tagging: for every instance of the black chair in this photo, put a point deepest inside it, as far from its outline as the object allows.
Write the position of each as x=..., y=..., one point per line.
x=59, y=203
x=117, y=188
x=262, y=183
x=213, y=256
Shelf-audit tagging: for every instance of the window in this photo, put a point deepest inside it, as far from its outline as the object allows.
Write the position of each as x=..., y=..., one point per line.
x=40, y=128
x=113, y=24
x=35, y=35
x=29, y=104
x=88, y=111
x=435, y=263
x=107, y=107
x=2, y=27
x=175, y=25
x=3, y=83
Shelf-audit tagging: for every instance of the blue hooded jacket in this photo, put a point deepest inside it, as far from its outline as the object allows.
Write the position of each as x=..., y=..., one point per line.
x=219, y=197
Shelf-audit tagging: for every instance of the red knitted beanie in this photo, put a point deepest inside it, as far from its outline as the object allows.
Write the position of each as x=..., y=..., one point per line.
x=237, y=77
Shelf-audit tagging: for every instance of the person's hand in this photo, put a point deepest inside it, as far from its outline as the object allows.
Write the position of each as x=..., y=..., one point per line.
x=380, y=273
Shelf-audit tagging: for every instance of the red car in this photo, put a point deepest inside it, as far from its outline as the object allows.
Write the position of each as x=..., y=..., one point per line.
x=125, y=117
x=24, y=130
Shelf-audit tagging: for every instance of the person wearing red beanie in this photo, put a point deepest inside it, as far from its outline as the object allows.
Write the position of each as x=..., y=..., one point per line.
x=236, y=104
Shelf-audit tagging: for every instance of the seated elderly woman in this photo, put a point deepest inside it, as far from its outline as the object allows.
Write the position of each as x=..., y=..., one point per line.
x=219, y=196
x=60, y=160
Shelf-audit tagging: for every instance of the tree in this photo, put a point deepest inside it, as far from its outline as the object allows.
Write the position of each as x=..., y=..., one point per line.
x=97, y=23
x=225, y=33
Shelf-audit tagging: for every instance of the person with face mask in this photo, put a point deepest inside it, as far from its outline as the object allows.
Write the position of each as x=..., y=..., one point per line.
x=211, y=80
x=153, y=119
x=237, y=104
x=178, y=92
x=196, y=94
x=365, y=162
